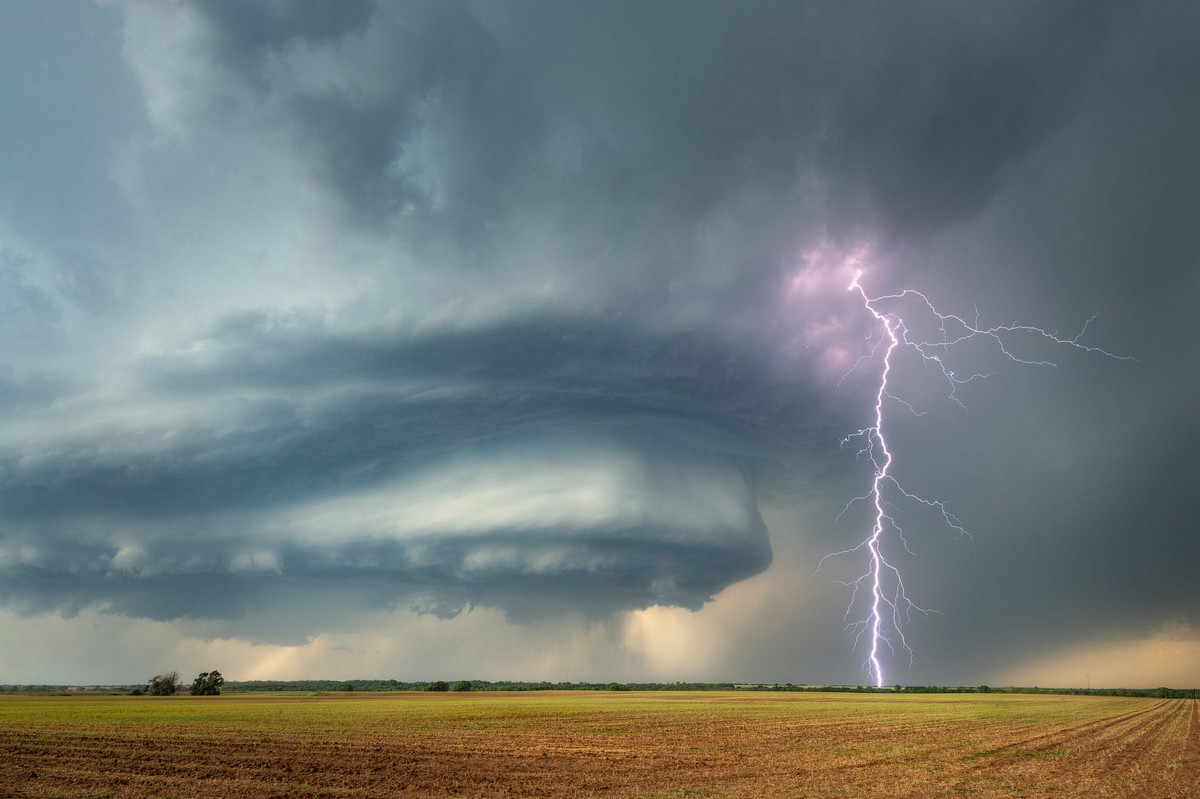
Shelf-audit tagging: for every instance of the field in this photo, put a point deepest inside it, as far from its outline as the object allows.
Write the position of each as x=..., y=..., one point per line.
x=599, y=744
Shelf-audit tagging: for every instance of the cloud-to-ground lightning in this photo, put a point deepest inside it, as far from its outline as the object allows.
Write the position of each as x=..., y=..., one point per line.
x=889, y=607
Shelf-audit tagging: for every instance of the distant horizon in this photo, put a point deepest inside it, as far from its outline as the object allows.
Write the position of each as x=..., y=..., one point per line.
x=600, y=685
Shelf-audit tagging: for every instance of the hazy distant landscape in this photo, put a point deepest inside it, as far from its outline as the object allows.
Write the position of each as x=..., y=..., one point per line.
x=346, y=686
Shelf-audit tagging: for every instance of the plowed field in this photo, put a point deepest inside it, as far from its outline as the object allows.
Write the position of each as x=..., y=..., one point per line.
x=599, y=744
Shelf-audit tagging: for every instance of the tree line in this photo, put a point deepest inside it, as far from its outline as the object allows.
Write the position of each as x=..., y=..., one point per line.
x=322, y=686
x=212, y=683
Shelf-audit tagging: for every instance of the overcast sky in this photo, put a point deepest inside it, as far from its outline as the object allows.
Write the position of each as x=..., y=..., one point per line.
x=506, y=340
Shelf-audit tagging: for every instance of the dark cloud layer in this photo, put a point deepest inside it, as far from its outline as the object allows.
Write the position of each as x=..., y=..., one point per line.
x=310, y=309
x=163, y=502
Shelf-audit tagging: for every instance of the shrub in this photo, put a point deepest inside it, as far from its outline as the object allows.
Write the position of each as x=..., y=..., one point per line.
x=164, y=684
x=208, y=683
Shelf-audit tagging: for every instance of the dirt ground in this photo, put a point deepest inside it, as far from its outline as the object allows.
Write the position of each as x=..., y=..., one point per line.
x=610, y=745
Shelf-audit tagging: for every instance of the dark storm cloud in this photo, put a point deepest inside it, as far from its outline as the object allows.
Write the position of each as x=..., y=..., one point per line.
x=911, y=113
x=306, y=589
x=275, y=453
x=116, y=517
x=250, y=34
x=399, y=400
x=510, y=323
x=19, y=391
x=584, y=360
x=930, y=126
x=404, y=76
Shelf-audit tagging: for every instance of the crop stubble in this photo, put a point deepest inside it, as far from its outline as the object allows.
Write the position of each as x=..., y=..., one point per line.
x=599, y=744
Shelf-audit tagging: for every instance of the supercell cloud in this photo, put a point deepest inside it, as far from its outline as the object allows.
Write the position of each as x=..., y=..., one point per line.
x=313, y=314
x=539, y=468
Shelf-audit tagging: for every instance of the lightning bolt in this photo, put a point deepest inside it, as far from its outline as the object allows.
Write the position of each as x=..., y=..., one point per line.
x=889, y=609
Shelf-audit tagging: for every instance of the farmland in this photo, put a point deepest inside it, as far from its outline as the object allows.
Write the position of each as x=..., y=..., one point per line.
x=578, y=744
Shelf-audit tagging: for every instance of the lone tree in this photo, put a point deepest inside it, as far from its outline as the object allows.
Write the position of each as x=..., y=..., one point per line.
x=208, y=683
x=164, y=684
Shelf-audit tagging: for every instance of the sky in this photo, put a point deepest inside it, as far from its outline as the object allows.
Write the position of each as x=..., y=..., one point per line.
x=513, y=340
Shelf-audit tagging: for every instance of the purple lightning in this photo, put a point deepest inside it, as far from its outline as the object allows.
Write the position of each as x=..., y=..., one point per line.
x=889, y=605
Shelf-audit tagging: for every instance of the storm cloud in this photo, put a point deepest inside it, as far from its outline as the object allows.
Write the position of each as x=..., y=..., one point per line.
x=312, y=312
x=449, y=470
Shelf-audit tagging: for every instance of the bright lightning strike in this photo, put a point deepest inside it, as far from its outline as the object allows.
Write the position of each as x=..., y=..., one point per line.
x=888, y=606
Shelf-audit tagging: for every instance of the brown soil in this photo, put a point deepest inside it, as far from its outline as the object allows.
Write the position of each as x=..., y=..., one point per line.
x=771, y=745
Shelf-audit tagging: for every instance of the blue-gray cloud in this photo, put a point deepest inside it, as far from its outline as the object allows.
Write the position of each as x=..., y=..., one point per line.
x=308, y=308
x=539, y=467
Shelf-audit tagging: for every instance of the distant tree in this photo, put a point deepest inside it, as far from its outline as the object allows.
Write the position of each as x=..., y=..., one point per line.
x=348, y=686
x=439, y=685
x=164, y=684
x=461, y=685
x=208, y=683
x=985, y=689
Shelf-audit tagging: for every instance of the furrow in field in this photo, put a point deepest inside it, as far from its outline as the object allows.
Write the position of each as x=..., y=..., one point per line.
x=944, y=740
x=1059, y=734
x=1130, y=758
x=1062, y=739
